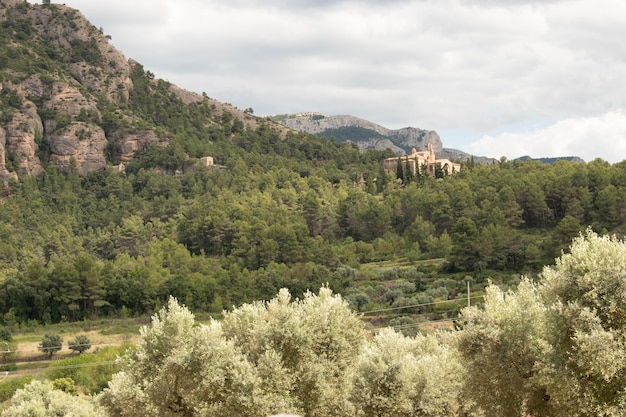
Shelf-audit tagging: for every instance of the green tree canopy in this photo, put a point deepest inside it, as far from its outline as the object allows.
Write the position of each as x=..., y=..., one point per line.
x=80, y=343
x=51, y=343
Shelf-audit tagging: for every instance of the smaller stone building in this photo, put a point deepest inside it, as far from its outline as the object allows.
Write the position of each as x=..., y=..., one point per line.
x=420, y=160
x=206, y=161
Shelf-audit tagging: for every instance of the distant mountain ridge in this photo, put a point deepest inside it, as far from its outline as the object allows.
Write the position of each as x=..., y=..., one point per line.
x=551, y=160
x=369, y=135
x=366, y=134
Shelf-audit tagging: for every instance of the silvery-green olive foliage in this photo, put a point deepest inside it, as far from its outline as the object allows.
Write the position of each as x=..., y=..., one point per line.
x=556, y=348
x=308, y=356
x=281, y=356
x=182, y=369
x=586, y=295
x=405, y=377
x=504, y=348
x=313, y=342
x=41, y=400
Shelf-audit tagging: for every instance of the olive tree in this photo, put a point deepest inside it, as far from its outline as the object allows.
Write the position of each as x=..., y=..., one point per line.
x=179, y=368
x=586, y=295
x=40, y=399
x=407, y=376
x=50, y=344
x=281, y=356
x=504, y=348
x=80, y=343
x=555, y=348
x=316, y=342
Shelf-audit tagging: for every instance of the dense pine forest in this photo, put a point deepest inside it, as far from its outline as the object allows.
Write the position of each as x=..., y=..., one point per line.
x=294, y=213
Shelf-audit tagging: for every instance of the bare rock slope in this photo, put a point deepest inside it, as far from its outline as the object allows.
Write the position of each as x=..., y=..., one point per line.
x=366, y=134
x=369, y=135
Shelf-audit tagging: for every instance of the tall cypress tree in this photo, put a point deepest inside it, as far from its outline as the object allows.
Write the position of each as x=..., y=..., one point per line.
x=399, y=170
x=409, y=175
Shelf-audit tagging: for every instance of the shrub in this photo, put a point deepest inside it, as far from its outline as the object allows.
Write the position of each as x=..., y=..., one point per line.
x=5, y=334
x=66, y=385
x=51, y=343
x=8, y=388
x=80, y=344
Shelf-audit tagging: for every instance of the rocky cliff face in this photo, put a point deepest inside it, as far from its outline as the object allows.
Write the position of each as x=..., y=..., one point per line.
x=64, y=94
x=65, y=64
x=365, y=134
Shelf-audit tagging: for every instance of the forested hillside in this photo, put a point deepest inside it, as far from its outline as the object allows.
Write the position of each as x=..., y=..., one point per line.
x=69, y=97
x=278, y=210
x=288, y=213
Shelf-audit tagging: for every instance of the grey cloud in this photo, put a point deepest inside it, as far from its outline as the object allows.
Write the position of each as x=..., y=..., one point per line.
x=312, y=4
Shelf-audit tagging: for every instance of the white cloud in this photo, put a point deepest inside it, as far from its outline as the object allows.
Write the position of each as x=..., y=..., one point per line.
x=586, y=137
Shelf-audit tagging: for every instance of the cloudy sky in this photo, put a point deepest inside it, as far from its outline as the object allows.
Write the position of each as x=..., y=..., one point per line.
x=492, y=77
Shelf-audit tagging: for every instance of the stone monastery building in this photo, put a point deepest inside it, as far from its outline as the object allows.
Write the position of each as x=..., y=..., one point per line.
x=416, y=160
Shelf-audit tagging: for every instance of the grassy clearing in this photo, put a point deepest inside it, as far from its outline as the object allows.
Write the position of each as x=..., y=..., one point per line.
x=90, y=370
x=101, y=333
x=400, y=263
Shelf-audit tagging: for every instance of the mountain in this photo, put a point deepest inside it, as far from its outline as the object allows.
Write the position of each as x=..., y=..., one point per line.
x=366, y=134
x=369, y=135
x=68, y=97
x=551, y=160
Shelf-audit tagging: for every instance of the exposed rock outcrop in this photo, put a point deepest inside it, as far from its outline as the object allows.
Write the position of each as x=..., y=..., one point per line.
x=4, y=173
x=21, y=136
x=411, y=137
x=365, y=134
x=10, y=3
x=317, y=123
x=131, y=143
x=82, y=142
x=69, y=99
x=52, y=111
